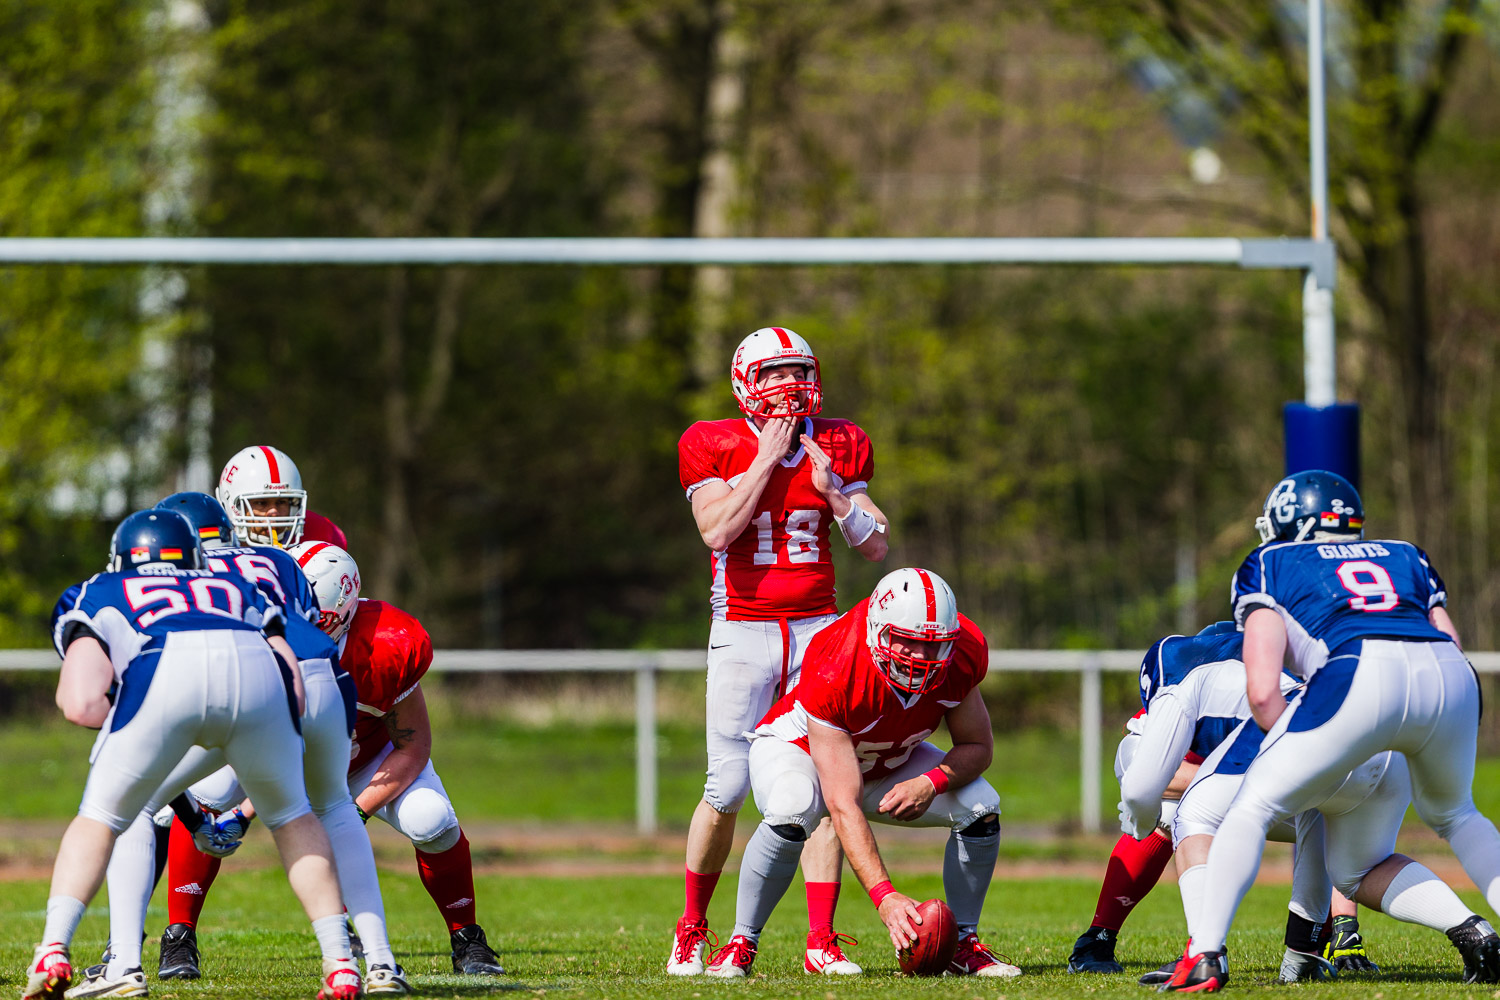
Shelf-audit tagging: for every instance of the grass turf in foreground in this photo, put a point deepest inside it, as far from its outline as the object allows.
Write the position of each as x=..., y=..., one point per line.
x=607, y=938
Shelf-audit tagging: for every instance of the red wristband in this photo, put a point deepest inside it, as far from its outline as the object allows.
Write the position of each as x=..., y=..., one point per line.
x=878, y=894
x=939, y=779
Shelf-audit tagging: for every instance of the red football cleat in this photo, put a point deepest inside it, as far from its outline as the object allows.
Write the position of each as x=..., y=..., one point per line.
x=50, y=973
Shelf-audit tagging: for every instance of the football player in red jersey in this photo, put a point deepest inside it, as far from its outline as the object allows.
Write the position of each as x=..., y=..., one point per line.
x=767, y=490
x=261, y=488
x=849, y=742
x=391, y=776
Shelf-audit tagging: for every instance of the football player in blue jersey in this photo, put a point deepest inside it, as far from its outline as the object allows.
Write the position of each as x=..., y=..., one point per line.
x=1367, y=629
x=162, y=654
x=326, y=724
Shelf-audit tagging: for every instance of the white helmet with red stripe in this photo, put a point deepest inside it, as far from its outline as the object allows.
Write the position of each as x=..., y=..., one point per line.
x=334, y=576
x=262, y=473
x=916, y=609
x=771, y=347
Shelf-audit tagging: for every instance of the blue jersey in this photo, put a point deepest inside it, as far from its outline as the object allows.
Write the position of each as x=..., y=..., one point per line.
x=1187, y=670
x=1332, y=593
x=273, y=569
x=132, y=612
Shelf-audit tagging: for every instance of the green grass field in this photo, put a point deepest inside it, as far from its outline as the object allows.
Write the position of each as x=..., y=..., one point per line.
x=607, y=938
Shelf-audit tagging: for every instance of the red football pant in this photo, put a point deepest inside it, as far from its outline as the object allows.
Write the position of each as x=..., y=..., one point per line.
x=190, y=872
x=448, y=878
x=1135, y=866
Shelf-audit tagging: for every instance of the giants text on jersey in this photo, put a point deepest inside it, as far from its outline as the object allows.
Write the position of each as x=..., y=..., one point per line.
x=386, y=651
x=780, y=566
x=842, y=687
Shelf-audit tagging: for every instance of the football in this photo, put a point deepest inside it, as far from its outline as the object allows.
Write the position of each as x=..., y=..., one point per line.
x=937, y=939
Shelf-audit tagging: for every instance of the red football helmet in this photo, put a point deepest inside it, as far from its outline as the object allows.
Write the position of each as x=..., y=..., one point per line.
x=772, y=347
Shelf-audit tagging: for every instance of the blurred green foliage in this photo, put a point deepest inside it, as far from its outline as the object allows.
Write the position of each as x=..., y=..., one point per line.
x=499, y=443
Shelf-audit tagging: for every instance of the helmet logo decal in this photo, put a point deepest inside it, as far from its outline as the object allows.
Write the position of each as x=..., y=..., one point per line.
x=885, y=599
x=1283, y=501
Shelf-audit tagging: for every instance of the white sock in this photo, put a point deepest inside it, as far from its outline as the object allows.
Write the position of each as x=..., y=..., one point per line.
x=1477, y=845
x=132, y=864
x=1193, y=886
x=1417, y=896
x=358, y=881
x=1233, y=862
x=63, y=914
x=333, y=936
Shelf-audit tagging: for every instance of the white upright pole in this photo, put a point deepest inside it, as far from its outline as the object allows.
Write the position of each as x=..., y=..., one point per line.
x=1091, y=720
x=1318, y=364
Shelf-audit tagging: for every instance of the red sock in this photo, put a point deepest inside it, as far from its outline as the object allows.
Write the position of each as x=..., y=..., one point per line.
x=700, y=889
x=190, y=872
x=822, y=900
x=1135, y=866
x=448, y=878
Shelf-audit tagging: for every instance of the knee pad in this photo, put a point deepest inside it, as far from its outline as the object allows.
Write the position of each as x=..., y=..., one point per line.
x=792, y=802
x=984, y=826
x=728, y=784
x=429, y=820
x=790, y=831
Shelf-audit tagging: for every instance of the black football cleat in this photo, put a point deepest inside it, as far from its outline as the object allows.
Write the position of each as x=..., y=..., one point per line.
x=1478, y=943
x=1205, y=972
x=1094, y=951
x=179, y=953
x=472, y=954
x=1158, y=976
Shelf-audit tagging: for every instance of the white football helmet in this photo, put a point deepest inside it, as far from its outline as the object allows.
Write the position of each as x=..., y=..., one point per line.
x=914, y=604
x=770, y=347
x=334, y=576
x=261, y=472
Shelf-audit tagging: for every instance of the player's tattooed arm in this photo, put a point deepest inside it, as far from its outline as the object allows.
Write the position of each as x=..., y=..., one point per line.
x=410, y=731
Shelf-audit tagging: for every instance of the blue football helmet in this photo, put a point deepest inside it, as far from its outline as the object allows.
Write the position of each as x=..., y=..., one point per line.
x=1219, y=628
x=155, y=537
x=206, y=515
x=1312, y=504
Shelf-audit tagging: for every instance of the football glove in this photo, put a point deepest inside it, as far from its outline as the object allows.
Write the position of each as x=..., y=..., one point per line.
x=220, y=836
x=1346, y=949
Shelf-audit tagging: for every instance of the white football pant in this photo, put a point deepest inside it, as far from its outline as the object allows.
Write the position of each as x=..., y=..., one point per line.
x=1419, y=698
x=746, y=660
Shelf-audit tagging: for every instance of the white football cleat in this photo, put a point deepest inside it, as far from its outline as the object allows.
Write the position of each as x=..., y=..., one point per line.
x=973, y=958
x=689, y=942
x=387, y=980
x=825, y=957
x=341, y=980
x=733, y=961
x=50, y=973
x=131, y=983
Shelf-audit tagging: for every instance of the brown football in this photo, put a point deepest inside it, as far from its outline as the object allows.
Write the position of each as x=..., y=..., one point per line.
x=937, y=939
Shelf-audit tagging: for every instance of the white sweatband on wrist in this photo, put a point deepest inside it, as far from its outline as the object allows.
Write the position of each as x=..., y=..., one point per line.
x=857, y=525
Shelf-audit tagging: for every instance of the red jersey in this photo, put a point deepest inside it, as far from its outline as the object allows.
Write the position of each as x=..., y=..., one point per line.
x=841, y=687
x=317, y=528
x=780, y=566
x=386, y=651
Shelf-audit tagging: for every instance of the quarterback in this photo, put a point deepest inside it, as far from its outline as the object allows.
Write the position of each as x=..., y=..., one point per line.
x=767, y=490
x=849, y=741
